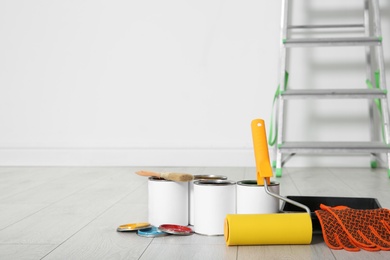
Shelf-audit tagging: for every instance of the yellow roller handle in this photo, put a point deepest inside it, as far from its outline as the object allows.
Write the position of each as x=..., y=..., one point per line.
x=260, y=146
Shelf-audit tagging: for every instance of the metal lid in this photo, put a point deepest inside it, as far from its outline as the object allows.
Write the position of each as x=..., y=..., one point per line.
x=214, y=182
x=176, y=229
x=209, y=177
x=158, y=179
x=254, y=183
x=151, y=232
x=133, y=227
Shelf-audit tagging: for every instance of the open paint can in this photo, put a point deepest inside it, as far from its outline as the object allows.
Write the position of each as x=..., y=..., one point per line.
x=167, y=202
x=213, y=200
x=252, y=198
x=191, y=192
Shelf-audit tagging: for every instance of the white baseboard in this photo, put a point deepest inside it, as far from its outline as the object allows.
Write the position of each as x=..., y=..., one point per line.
x=126, y=157
x=170, y=157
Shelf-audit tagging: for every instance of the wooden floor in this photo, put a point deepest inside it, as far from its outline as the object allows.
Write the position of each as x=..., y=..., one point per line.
x=73, y=212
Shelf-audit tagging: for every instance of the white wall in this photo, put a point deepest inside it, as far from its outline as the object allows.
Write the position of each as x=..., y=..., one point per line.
x=172, y=83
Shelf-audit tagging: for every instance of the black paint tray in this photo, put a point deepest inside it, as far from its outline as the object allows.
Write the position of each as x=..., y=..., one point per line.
x=314, y=204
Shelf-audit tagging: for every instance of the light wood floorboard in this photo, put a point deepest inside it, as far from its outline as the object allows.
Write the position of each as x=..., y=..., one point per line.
x=73, y=212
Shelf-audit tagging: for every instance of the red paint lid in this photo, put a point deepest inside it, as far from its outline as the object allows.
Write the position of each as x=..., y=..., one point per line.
x=176, y=229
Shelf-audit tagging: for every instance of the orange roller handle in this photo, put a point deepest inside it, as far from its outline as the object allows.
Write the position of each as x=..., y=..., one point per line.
x=260, y=146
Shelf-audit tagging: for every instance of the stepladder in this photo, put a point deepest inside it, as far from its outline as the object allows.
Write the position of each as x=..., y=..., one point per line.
x=363, y=35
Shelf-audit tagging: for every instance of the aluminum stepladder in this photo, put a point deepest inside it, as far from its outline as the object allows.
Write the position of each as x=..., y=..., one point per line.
x=375, y=93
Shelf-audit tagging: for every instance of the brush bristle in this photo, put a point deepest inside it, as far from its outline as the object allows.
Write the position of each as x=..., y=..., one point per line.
x=177, y=176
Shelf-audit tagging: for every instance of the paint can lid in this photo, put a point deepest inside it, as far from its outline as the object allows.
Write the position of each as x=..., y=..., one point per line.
x=209, y=177
x=133, y=227
x=158, y=179
x=215, y=182
x=151, y=232
x=176, y=229
x=253, y=183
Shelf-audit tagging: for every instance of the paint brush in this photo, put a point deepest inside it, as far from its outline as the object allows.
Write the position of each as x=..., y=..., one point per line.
x=171, y=176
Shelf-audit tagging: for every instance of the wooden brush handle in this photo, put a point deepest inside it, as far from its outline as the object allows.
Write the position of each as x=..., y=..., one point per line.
x=148, y=174
x=171, y=176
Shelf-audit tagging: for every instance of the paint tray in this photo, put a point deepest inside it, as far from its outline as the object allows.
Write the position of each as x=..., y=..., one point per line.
x=314, y=204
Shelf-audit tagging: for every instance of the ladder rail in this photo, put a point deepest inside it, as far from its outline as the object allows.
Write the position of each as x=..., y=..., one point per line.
x=382, y=78
x=373, y=118
x=282, y=81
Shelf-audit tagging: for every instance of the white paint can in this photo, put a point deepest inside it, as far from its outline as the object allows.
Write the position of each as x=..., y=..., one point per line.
x=191, y=192
x=213, y=200
x=167, y=202
x=252, y=198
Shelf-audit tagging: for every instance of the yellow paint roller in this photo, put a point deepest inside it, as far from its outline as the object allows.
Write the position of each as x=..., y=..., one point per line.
x=267, y=229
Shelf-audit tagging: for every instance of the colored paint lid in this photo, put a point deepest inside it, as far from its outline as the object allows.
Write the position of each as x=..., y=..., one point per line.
x=133, y=227
x=151, y=232
x=176, y=229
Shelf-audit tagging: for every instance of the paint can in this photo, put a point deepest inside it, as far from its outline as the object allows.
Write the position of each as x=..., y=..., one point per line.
x=252, y=198
x=167, y=202
x=213, y=200
x=191, y=192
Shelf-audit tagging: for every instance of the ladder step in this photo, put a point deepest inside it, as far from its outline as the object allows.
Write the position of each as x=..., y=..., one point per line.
x=334, y=147
x=326, y=26
x=333, y=93
x=329, y=42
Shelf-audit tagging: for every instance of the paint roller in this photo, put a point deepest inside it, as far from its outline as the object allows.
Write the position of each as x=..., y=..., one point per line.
x=267, y=229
